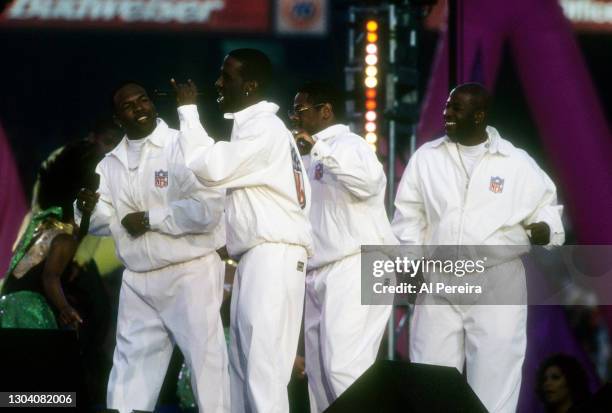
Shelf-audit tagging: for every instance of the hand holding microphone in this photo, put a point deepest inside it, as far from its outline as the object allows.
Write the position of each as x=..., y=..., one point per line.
x=303, y=141
x=186, y=93
x=87, y=198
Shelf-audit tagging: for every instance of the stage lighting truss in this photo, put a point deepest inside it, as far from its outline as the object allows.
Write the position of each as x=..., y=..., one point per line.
x=381, y=77
x=382, y=85
x=371, y=81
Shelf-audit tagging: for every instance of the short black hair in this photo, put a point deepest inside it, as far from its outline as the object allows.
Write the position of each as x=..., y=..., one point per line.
x=120, y=86
x=479, y=95
x=61, y=178
x=256, y=66
x=324, y=92
x=574, y=373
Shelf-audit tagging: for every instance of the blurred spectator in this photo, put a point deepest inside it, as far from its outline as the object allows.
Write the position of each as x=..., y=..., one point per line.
x=561, y=383
x=44, y=288
x=45, y=250
x=104, y=136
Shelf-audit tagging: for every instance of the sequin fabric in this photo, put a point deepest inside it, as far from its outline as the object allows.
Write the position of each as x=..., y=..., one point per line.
x=30, y=232
x=26, y=309
x=44, y=235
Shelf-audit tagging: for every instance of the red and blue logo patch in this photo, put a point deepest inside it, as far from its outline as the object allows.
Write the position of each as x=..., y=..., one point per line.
x=318, y=173
x=161, y=179
x=496, y=185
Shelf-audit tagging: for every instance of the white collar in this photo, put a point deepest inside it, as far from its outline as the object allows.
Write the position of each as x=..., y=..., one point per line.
x=157, y=138
x=247, y=113
x=496, y=143
x=331, y=131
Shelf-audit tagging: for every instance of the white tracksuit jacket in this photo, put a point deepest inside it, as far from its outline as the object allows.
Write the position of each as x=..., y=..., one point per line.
x=437, y=205
x=186, y=218
x=342, y=336
x=348, y=186
x=268, y=197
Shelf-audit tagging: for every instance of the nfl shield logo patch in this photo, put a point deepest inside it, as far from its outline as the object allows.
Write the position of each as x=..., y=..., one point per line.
x=318, y=171
x=161, y=179
x=497, y=185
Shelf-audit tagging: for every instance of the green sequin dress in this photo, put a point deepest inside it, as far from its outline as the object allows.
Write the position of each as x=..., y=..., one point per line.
x=22, y=303
x=26, y=309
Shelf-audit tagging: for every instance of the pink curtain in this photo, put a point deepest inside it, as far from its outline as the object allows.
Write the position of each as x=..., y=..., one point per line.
x=13, y=205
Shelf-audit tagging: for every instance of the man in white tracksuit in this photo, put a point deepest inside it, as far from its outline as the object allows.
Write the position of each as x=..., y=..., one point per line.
x=342, y=336
x=167, y=227
x=268, y=198
x=471, y=187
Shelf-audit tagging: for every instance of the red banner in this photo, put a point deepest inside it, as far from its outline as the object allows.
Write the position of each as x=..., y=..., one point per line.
x=208, y=15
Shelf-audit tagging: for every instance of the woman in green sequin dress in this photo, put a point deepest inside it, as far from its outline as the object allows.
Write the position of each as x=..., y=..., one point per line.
x=36, y=292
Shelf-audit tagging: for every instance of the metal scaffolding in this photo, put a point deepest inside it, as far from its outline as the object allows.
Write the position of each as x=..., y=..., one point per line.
x=400, y=23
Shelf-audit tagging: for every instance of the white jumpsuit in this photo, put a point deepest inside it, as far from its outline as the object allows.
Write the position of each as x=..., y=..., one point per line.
x=172, y=286
x=341, y=335
x=437, y=204
x=268, y=198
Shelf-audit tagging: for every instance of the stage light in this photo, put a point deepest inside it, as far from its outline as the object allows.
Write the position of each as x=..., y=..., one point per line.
x=371, y=82
x=371, y=59
x=372, y=26
x=371, y=137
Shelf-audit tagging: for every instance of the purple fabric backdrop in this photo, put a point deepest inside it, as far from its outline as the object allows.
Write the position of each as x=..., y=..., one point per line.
x=12, y=202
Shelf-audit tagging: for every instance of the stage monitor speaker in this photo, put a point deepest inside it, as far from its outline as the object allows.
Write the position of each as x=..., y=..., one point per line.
x=33, y=360
x=394, y=386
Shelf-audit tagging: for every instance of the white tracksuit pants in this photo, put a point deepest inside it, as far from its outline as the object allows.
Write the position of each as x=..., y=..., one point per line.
x=341, y=335
x=490, y=340
x=266, y=315
x=176, y=304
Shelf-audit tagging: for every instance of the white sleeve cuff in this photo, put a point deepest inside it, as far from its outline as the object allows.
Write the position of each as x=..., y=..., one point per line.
x=551, y=215
x=188, y=114
x=157, y=216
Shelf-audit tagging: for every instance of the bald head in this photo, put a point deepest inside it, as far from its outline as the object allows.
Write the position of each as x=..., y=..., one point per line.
x=465, y=114
x=477, y=95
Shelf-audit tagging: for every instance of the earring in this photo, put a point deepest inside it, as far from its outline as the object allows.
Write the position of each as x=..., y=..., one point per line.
x=246, y=93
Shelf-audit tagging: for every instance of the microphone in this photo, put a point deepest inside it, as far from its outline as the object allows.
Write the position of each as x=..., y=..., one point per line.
x=93, y=186
x=167, y=93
